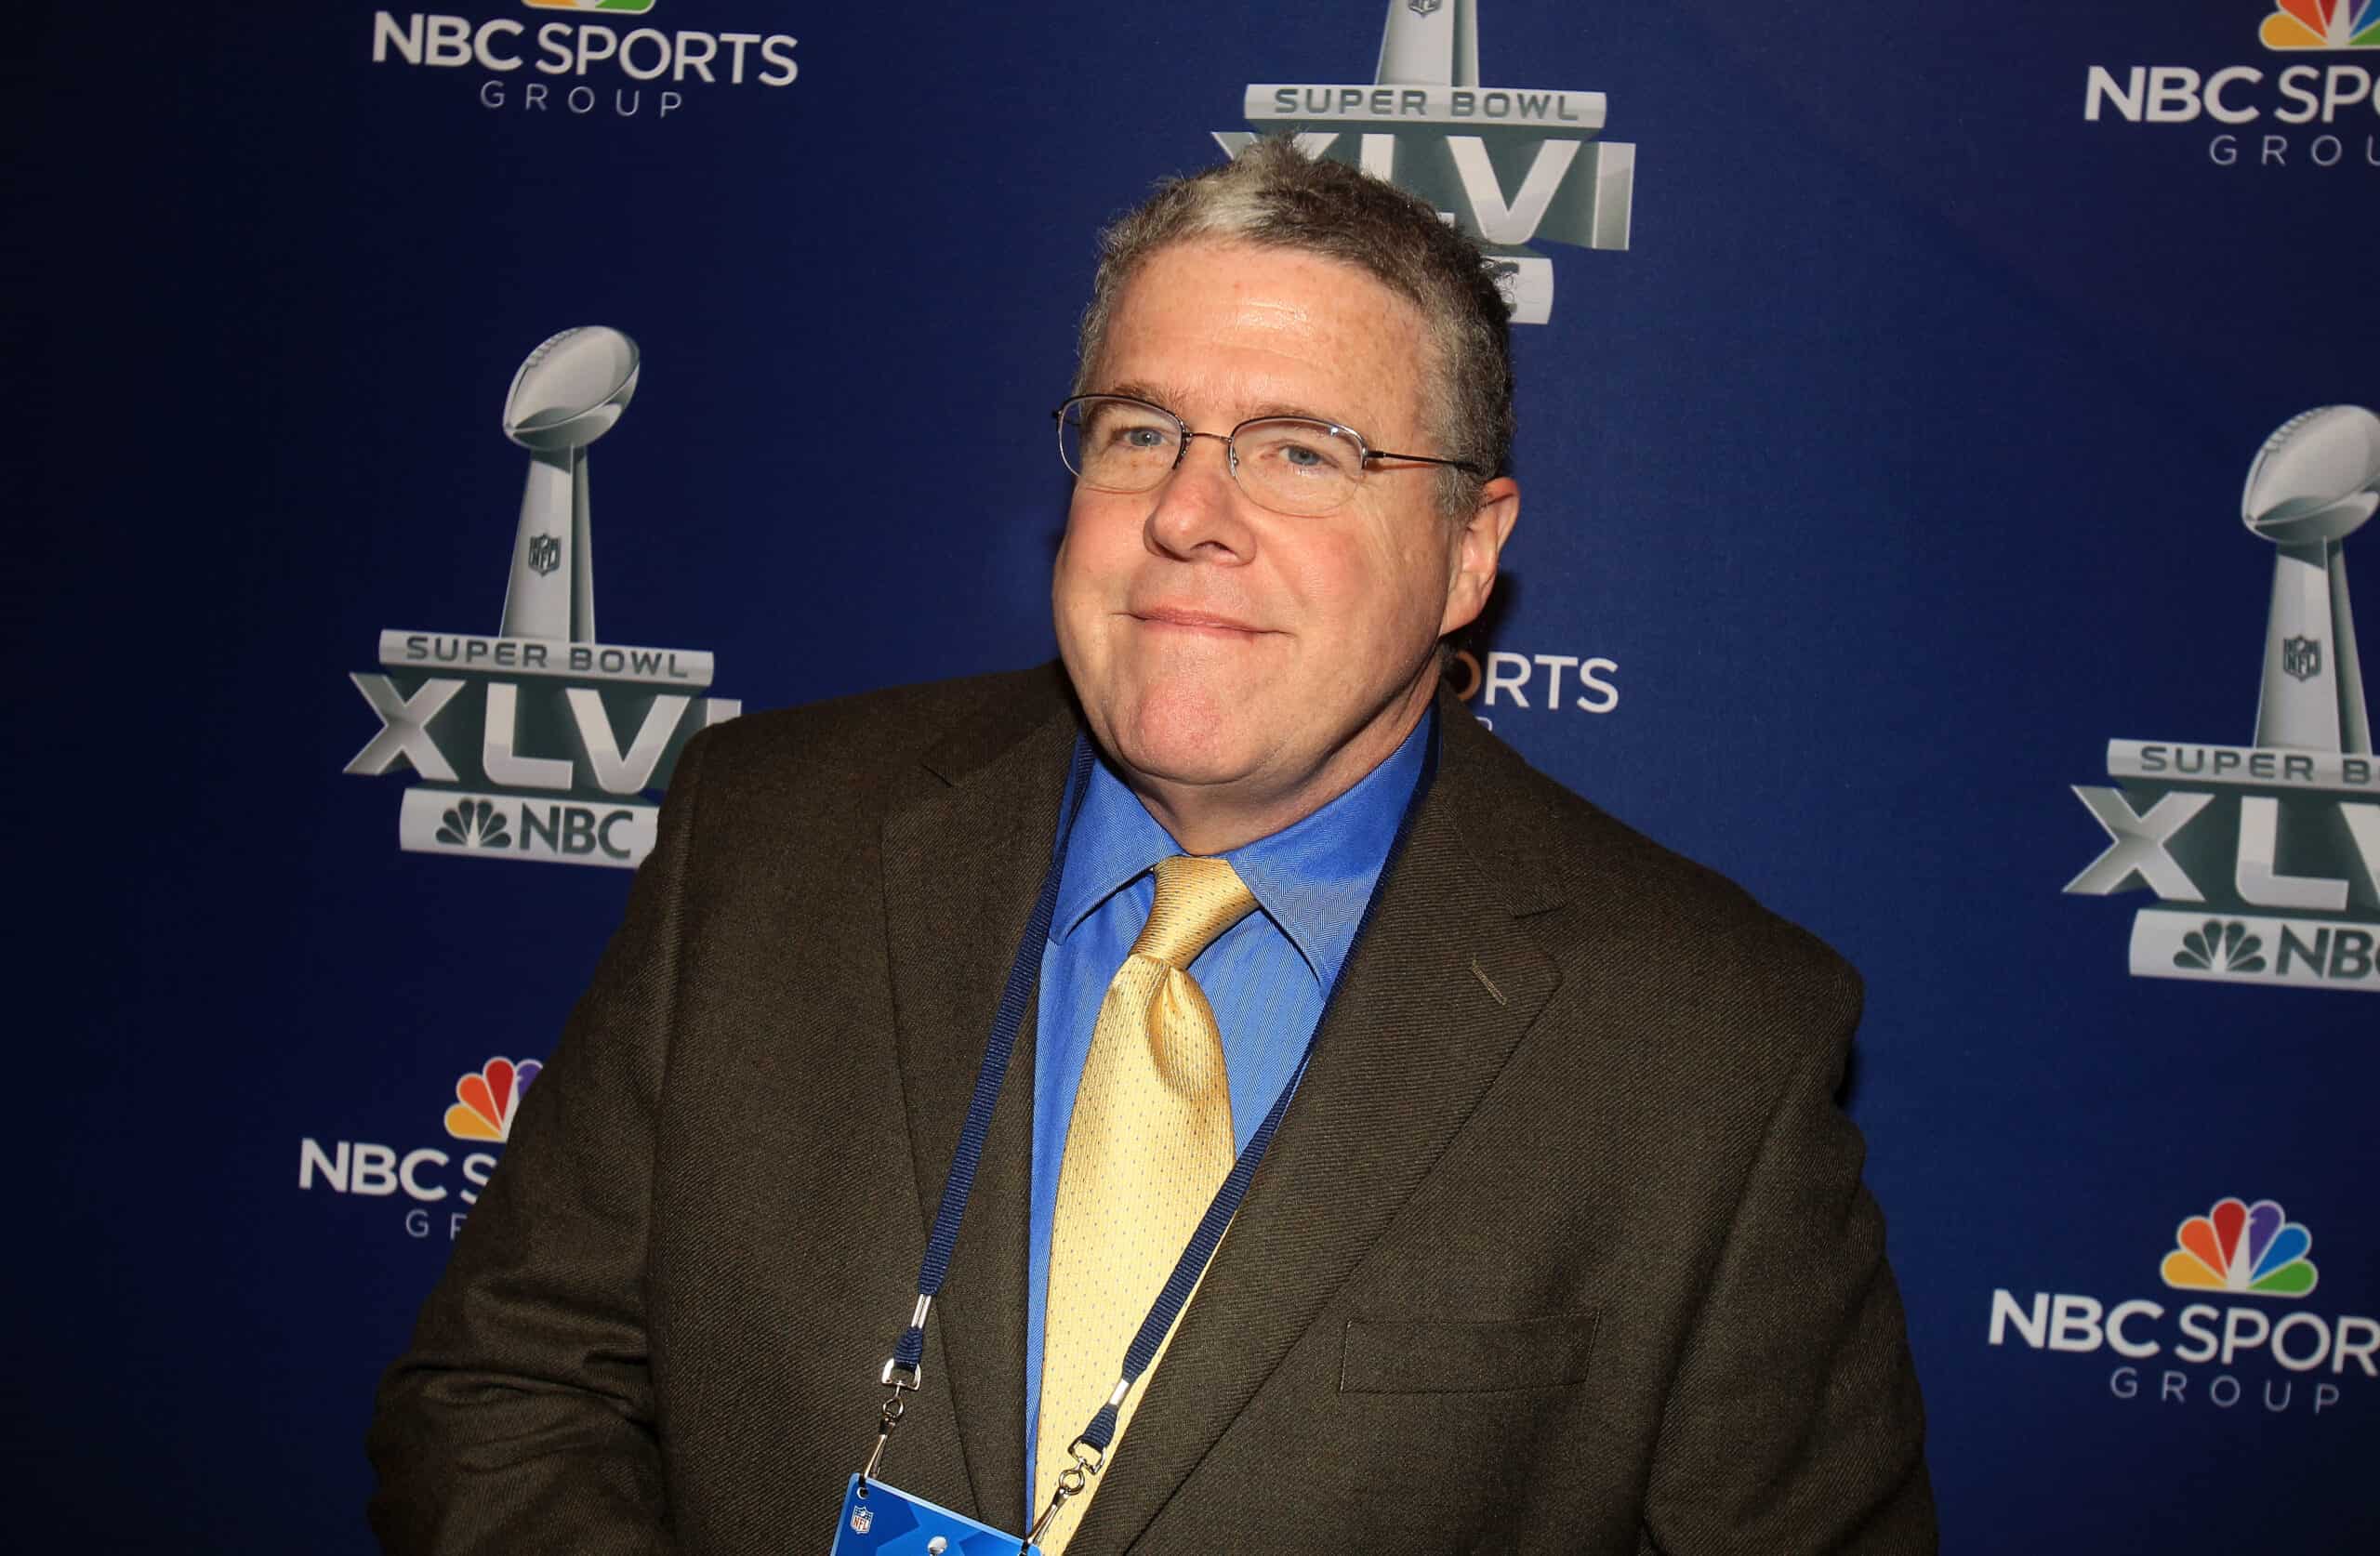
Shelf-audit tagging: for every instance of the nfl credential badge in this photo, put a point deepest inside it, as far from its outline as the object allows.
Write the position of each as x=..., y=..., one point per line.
x=880, y=1519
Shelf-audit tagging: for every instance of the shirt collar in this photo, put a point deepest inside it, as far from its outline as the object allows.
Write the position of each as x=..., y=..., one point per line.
x=1312, y=879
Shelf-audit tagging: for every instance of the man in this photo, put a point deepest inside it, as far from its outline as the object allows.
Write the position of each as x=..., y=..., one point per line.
x=1561, y=1244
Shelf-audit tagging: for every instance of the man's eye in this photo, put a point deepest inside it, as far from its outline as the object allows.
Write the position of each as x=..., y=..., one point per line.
x=1117, y=435
x=1303, y=458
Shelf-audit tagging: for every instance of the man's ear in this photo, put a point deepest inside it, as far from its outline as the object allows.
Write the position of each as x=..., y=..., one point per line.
x=1477, y=546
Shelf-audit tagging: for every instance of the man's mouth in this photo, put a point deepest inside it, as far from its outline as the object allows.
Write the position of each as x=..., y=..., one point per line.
x=1177, y=619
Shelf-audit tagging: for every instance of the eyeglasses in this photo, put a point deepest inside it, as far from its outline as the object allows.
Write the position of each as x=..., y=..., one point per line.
x=1294, y=464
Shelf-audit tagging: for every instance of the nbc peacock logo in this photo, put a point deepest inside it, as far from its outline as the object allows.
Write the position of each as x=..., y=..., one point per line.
x=2255, y=1249
x=2295, y=24
x=486, y=1098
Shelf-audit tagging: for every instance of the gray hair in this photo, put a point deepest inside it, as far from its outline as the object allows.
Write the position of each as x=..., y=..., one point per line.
x=1274, y=196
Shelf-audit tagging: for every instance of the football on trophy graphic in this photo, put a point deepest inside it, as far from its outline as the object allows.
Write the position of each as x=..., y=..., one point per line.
x=571, y=389
x=2316, y=479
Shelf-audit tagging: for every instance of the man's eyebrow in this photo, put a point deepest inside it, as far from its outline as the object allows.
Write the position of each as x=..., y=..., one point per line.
x=1134, y=390
x=1156, y=396
x=1290, y=408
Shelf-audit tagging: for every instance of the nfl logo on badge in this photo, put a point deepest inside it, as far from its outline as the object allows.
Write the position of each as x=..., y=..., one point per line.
x=861, y=1520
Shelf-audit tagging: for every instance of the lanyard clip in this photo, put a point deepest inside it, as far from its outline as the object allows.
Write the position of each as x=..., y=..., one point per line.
x=903, y=1374
x=1073, y=1481
x=888, y=1422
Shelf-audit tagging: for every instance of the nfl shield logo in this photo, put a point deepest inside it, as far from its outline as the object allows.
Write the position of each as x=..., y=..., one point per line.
x=861, y=1519
x=545, y=553
x=2302, y=657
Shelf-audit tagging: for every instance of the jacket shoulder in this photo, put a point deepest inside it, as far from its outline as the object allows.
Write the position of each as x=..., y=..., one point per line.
x=762, y=783
x=1648, y=927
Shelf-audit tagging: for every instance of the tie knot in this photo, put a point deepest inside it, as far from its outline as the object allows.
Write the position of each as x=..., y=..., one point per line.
x=1197, y=900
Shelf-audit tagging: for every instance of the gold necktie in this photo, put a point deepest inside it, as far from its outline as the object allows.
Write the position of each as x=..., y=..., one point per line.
x=1150, y=1143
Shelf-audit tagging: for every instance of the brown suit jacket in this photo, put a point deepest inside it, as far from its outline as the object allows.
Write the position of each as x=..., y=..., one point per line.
x=1562, y=1245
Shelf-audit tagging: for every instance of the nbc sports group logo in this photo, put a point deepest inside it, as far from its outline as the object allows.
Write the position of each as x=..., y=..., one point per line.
x=2311, y=97
x=2266, y=858
x=2299, y=1357
x=486, y=1102
x=1509, y=165
x=539, y=743
x=575, y=68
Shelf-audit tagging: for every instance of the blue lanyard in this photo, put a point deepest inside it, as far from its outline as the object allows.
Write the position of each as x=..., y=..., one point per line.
x=903, y=1371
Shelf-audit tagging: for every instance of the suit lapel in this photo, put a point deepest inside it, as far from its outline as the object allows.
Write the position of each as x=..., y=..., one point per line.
x=964, y=853
x=1441, y=988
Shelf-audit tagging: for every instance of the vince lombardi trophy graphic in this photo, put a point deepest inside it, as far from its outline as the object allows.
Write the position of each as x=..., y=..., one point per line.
x=2313, y=484
x=568, y=394
x=1430, y=43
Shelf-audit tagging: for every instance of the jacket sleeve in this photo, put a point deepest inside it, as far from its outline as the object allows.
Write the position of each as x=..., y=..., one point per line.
x=1794, y=1424
x=522, y=1421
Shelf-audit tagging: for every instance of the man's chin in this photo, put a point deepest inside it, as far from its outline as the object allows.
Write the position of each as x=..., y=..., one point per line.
x=1185, y=760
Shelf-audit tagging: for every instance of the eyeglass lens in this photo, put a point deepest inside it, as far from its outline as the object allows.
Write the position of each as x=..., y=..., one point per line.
x=1286, y=463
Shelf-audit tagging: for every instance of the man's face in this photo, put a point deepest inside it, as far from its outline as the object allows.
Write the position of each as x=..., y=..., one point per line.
x=1223, y=652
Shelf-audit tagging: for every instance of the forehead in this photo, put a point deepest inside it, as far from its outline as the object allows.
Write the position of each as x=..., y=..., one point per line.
x=1224, y=331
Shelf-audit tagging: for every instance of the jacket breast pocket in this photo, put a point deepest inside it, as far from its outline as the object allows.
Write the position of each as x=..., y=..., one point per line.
x=1458, y=1356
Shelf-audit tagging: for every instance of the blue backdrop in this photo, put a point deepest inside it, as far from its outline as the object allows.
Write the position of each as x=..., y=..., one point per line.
x=1889, y=471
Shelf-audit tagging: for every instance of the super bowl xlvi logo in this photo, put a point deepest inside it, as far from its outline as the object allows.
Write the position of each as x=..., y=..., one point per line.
x=517, y=737
x=2300, y=1358
x=584, y=67
x=486, y=1102
x=2318, y=113
x=2268, y=856
x=1507, y=165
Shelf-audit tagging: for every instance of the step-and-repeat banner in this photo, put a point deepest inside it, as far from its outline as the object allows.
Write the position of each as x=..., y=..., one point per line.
x=1948, y=435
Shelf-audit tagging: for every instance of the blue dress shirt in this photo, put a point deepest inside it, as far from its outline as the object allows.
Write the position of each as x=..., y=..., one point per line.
x=1266, y=977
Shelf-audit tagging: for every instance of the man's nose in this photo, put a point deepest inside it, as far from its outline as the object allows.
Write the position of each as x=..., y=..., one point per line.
x=1197, y=511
